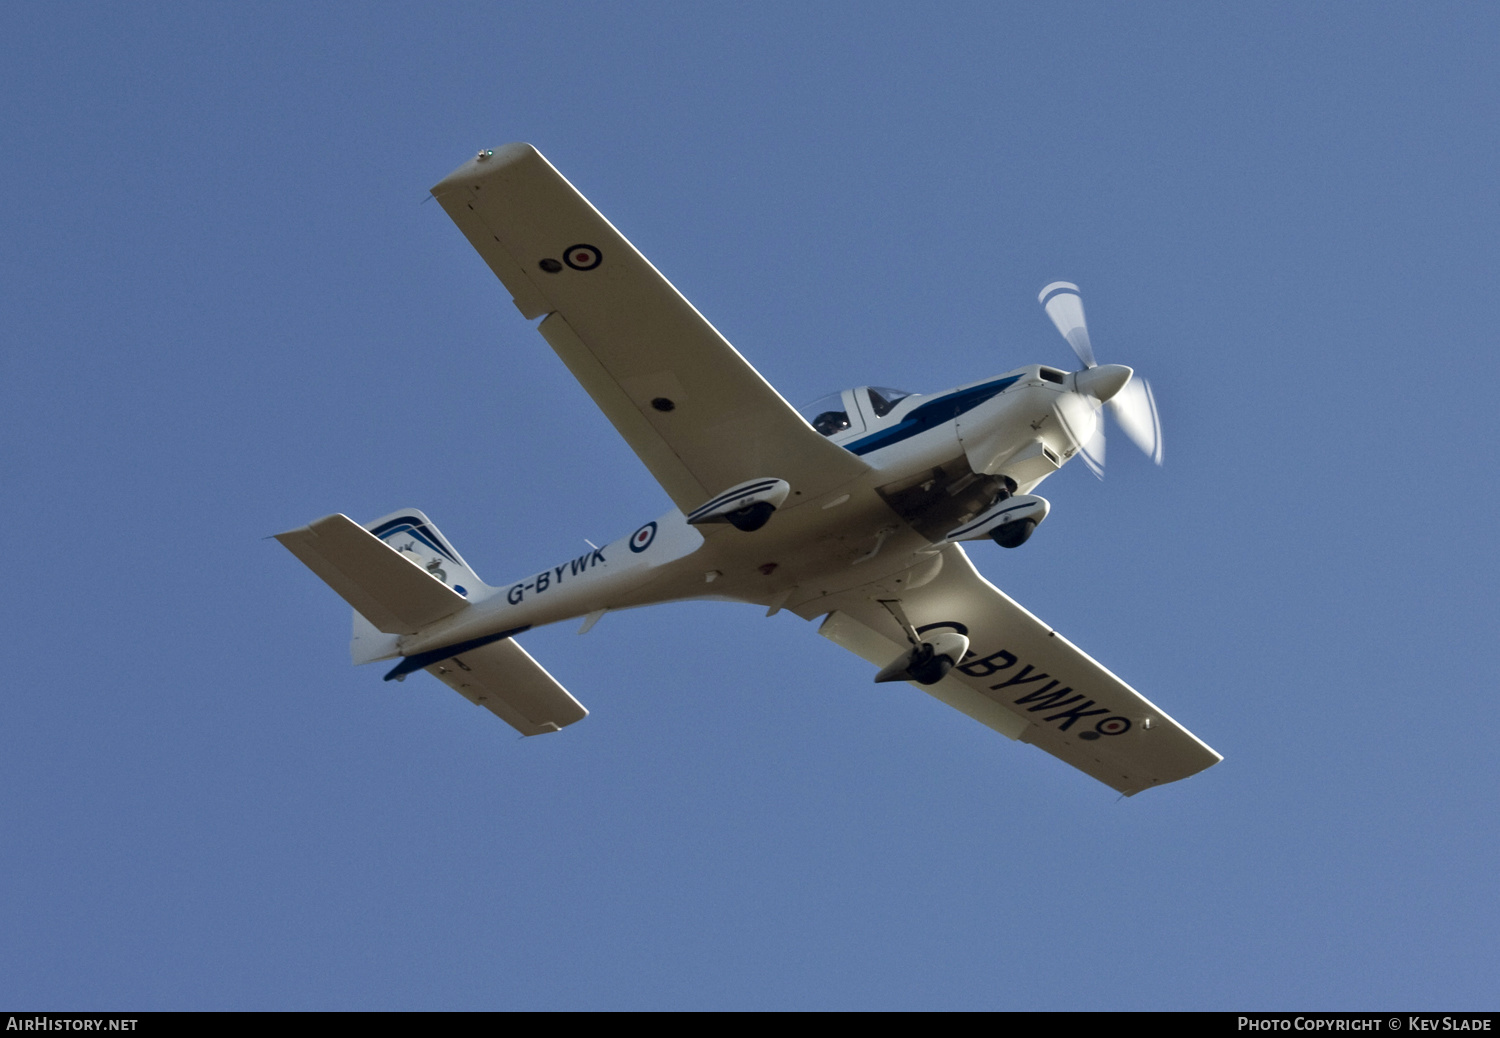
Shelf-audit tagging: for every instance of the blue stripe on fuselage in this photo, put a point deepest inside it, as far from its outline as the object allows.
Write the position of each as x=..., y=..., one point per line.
x=932, y=414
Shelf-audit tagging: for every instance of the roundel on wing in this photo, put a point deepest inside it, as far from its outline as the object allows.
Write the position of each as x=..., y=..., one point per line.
x=642, y=538
x=1112, y=726
x=582, y=257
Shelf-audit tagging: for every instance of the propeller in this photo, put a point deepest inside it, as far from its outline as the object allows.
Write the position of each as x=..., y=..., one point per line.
x=1128, y=398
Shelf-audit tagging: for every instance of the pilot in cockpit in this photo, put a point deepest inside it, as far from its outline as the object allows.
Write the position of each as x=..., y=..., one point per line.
x=830, y=422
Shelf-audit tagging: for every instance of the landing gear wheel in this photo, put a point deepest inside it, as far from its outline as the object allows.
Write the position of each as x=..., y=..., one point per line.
x=751, y=517
x=1013, y=535
x=928, y=669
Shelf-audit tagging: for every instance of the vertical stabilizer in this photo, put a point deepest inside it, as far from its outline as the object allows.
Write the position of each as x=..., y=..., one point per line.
x=411, y=533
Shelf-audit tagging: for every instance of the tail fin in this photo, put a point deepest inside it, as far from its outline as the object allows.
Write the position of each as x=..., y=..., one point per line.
x=417, y=537
x=400, y=575
x=414, y=535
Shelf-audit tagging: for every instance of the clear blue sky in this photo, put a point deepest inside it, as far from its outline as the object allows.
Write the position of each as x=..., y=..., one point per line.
x=227, y=312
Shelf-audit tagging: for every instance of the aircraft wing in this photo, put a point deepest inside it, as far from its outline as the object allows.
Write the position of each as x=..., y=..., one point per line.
x=699, y=416
x=1023, y=679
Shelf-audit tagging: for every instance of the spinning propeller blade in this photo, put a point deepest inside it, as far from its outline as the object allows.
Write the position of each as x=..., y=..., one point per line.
x=1134, y=408
x=1093, y=451
x=1129, y=398
x=1065, y=306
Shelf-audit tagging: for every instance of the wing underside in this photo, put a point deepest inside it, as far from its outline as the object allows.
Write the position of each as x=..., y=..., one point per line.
x=694, y=411
x=1023, y=679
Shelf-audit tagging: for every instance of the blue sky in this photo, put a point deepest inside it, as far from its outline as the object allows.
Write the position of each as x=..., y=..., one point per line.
x=228, y=311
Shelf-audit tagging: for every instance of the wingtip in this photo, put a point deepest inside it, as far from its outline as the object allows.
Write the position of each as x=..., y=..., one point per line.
x=485, y=163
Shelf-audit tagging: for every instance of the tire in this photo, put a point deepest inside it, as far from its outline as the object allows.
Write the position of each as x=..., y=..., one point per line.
x=1013, y=535
x=751, y=517
x=931, y=671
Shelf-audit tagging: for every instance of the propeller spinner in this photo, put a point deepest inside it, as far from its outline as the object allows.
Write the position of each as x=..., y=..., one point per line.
x=1129, y=399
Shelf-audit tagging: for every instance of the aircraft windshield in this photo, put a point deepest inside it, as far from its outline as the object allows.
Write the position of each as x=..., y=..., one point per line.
x=830, y=414
x=826, y=414
x=884, y=400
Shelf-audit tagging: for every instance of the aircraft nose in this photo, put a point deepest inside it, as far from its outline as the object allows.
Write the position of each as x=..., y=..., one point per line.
x=1103, y=381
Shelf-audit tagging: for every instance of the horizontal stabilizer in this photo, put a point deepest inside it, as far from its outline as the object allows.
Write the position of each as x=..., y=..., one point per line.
x=504, y=679
x=389, y=590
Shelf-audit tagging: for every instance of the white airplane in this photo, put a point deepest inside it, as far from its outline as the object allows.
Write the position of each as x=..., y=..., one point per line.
x=853, y=511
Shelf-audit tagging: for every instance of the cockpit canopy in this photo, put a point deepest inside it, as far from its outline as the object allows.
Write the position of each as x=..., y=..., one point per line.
x=852, y=410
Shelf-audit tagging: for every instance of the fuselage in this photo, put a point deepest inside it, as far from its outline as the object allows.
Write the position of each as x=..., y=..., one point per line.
x=936, y=460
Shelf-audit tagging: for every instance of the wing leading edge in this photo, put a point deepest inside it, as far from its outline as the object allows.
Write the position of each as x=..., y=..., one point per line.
x=1024, y=679
x=694, y=411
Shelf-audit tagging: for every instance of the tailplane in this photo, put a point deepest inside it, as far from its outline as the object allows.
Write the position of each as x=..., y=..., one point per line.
x=399, y=574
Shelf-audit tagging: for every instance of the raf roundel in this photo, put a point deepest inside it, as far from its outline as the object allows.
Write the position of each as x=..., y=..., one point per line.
x=642, y=538
x=582, y=257
x=1112, y=726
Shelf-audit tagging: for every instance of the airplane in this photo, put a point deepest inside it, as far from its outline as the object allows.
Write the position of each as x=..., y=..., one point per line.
x=853, y=511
